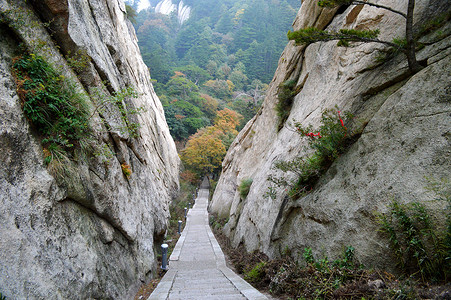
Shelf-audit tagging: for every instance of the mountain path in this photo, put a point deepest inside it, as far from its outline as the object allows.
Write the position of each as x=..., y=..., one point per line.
x=197, y=266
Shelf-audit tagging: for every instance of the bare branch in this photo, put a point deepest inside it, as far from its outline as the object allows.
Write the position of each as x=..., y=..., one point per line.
x=380, y=6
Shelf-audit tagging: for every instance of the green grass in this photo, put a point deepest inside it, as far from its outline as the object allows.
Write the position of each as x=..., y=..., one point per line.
x=53, y=106
x=285, y=101
x=327, y=143
x=256, y=273
x=421, y=247
x=244, y=187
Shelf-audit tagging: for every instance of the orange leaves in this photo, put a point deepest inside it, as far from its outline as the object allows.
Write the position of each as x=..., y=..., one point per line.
x=228, y=118
x=178, y=74
x=126, y=170
x=230, y=85
x=189, y=176
x=206, y=149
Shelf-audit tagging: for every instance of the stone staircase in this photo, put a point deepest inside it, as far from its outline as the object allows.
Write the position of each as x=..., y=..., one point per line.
x=197, y=267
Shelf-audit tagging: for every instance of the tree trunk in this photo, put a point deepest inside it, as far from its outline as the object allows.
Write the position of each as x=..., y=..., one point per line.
x=255, y=98
x=414, y=66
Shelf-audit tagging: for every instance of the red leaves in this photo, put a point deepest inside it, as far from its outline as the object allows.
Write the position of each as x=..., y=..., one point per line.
x=342, y=123
x=312, y=135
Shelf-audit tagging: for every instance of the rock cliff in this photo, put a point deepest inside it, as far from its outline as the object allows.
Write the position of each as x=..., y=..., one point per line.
x=406, y=125
x=90, y=233
x=166, y=7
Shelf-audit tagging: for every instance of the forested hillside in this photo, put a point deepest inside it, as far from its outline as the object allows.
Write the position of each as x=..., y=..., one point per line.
x=222, y=57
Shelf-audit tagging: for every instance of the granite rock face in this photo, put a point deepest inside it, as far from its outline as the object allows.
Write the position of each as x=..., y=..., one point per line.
x=95, y=237
x=406, y=125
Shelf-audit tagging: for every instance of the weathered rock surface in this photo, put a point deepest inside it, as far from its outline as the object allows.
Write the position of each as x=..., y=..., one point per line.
x=93, y=238
x=406, y=138
x=166, y=7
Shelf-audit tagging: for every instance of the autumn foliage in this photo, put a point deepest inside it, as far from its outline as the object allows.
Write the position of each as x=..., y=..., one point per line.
x=206, y=149
x=228, y=118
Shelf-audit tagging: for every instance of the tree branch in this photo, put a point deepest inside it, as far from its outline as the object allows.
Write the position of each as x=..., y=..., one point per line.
x=380, y=6
x=354, y=38
x=367, y=40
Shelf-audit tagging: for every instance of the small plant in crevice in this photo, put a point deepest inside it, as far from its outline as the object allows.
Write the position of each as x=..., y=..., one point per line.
x=421, y=247
x=285, y=97
x=216, y=223
x=61, y=114
x=434, y=23
x=308, y=255
x=126, y=170
x=118, y=99
x=244, y=187
x=2, y=297
x=131, y=13
x=327, y=144
x=78, y=60
x=50, y=101
x=54, y=107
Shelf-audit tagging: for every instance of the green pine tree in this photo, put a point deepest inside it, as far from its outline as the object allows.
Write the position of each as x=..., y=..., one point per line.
x=345, y=36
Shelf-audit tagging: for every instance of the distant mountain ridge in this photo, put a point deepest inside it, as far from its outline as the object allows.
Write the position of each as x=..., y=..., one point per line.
x=211, y=34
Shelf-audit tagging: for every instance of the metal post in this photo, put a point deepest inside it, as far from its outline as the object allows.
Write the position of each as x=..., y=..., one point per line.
x=189, y=205
x=186, y=210
x=164, y=260
x=180, y=227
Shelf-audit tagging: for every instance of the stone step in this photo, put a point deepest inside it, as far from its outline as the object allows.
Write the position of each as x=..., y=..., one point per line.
x=198, y=271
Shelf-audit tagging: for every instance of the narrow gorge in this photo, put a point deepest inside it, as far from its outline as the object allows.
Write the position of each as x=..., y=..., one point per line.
x=87, y=177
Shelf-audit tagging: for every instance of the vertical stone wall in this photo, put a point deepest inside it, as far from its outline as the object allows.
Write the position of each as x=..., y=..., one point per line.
x=92, y=234
x=405, y=138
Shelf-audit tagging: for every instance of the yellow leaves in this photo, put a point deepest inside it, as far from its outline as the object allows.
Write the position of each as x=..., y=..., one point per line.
x=210, y=83
x=238, y=15
x=126, y=170
x=206, y=149
x=203, y=153
x=231, y=85
x=178, y=74
x=228, y=118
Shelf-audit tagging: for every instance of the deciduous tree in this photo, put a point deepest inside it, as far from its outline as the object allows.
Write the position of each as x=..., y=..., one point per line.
x=206, y=149
x=203, y=153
